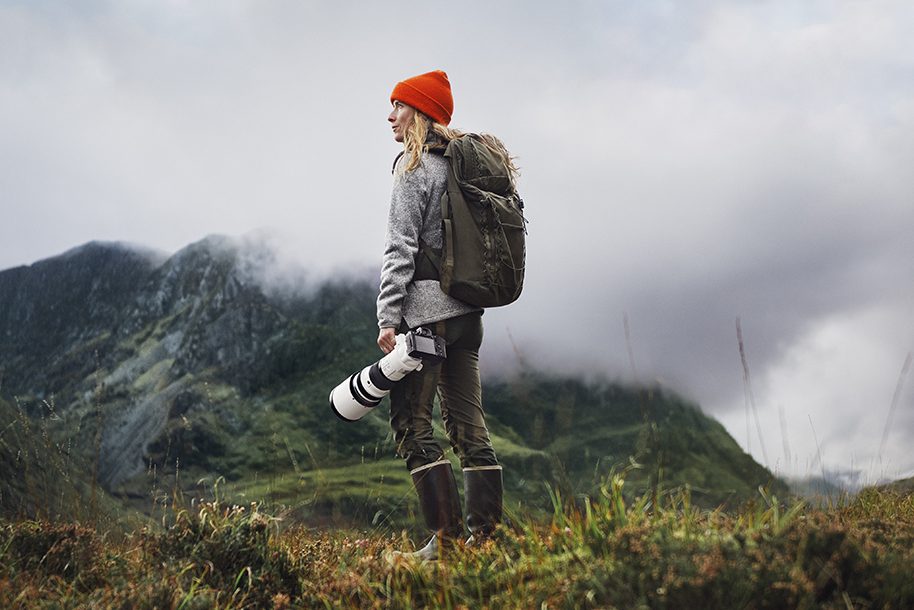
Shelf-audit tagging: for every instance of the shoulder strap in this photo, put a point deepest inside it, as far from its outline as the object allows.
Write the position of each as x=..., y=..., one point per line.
x=437, y=150
x=428, y=259
x=396, y=160
x=427, y=262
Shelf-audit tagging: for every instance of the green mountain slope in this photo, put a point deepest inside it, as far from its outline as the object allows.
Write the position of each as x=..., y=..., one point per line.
x=171, y=375
x=593, y=429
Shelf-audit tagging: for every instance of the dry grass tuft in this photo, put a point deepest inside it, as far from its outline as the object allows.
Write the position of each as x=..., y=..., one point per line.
x=592, y=553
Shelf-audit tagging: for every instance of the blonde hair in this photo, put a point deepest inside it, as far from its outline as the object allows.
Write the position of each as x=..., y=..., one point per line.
x=415, y=143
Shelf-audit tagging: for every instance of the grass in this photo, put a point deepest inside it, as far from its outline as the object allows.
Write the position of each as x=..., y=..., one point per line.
x=590, y=552
x=610, y=548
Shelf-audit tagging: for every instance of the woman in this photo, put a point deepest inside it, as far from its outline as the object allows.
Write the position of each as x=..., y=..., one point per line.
x=410, y=296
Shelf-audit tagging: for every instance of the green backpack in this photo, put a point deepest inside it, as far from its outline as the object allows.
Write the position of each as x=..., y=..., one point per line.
x=483, y=228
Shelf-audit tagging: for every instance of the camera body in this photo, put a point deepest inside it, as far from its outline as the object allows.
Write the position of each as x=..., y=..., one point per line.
x=356, y=396
x=422, y=343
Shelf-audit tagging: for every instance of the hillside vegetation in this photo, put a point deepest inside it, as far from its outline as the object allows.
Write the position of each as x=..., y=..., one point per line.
x=137, y=374
x=602, y=553
x=903, y=486
x=167, y=443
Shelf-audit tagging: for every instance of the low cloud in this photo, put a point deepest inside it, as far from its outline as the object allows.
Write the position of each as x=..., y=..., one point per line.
x=683, y=165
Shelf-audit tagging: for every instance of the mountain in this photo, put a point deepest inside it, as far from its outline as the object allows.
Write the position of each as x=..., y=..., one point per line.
x=820, y=490
x=157, y=372
x=900, y=486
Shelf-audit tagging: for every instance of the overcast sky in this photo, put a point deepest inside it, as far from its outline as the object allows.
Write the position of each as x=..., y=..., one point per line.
x=684, y=164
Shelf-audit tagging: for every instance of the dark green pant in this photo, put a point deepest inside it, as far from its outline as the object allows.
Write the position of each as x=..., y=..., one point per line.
x=457, y=382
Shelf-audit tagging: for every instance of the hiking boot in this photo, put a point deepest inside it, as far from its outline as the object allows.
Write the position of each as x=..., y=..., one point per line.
x=483, y=489
x=440, y=505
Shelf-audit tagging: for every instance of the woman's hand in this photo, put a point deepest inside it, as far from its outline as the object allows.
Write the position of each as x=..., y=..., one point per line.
x=387, y=340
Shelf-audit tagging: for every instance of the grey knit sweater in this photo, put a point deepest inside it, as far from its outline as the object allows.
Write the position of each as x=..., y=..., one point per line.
x=414, y=212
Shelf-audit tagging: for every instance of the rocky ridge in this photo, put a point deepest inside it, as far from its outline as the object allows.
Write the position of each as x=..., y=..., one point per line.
x=131, y=333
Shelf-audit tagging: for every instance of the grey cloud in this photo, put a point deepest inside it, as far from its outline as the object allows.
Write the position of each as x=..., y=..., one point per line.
x=684, y=164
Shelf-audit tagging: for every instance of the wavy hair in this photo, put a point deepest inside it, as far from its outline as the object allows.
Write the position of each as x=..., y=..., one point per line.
x=416, y=143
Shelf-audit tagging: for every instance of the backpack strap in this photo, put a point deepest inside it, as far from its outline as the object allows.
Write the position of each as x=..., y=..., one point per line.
x=446, y=262
x=428, y=262
x=396, y=160
x=428, y=259
x=435, y=150
x=427, y=265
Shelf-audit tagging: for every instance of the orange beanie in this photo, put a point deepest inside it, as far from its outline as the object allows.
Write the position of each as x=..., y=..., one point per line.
x=429, y=93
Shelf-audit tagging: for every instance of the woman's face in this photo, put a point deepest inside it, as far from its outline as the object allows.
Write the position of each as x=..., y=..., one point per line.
x=400, y=118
